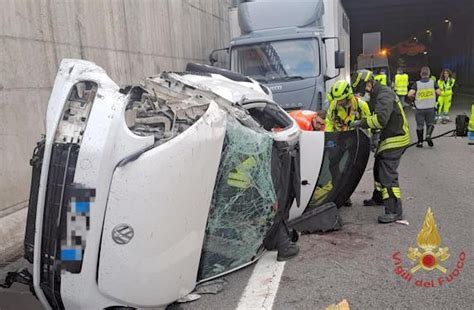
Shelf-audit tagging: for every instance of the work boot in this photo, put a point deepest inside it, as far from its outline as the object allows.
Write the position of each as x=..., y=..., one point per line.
x=348, y=203
x=444, y=119
x=376, y=200
x=393, y=211
x=281, y=239
x=419, y=134
x=429, y=132
x=287, y=249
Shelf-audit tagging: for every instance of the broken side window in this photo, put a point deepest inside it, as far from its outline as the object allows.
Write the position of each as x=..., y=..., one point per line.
x=241, y=210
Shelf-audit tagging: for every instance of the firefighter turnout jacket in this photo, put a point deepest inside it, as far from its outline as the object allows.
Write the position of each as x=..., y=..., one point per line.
x=388, y=117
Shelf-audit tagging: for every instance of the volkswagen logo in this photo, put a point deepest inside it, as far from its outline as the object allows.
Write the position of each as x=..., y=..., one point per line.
x=122, y=233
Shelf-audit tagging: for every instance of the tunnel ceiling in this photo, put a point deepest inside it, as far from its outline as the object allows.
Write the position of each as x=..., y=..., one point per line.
x=400, y=20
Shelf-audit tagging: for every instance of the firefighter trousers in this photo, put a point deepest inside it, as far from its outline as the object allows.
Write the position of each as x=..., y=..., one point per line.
x=386, y=175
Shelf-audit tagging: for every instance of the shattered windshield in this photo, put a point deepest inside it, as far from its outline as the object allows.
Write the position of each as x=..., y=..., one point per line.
x=241, y=210
x=277, y=61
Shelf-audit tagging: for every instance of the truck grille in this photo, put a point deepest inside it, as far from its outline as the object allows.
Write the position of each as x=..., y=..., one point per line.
x=61, y=174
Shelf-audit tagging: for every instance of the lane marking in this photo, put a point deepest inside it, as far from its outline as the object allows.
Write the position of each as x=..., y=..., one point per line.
x=262, y=286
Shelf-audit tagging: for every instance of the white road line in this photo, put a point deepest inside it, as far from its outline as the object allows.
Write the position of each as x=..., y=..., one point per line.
x=263, y=285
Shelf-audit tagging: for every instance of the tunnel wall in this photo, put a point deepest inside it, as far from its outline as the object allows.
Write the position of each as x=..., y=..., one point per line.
x=129, y=39
x=453, y=48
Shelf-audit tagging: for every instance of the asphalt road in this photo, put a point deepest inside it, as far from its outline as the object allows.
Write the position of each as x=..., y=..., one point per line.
x=356, y=262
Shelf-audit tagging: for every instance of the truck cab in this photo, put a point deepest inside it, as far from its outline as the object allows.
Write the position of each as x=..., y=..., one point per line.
x=297, y=57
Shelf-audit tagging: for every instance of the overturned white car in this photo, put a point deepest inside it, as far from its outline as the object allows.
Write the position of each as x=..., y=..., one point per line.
x=140, y=193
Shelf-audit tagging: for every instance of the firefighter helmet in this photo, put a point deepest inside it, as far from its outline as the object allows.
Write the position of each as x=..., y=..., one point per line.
x=340, y=90
x=359, y=79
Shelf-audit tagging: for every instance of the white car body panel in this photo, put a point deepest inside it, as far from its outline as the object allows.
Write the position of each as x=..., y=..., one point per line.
x=162, y=260
x=311, y=158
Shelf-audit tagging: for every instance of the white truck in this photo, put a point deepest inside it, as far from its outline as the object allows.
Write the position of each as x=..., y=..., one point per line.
x=296, y=48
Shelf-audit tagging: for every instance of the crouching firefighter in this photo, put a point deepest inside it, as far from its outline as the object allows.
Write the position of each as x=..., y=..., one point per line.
x=388, y=117
x=344, y=109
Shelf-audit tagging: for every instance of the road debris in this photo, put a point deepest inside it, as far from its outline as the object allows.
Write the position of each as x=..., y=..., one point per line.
x=403, y=222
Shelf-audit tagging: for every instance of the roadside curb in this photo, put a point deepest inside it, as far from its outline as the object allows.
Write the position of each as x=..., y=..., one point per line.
x=12, y=231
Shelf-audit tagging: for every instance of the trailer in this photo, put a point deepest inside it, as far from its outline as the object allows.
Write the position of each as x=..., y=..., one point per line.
x=296, y=48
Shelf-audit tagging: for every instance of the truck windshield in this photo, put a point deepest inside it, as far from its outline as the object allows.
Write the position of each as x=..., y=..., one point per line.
x=277, y=60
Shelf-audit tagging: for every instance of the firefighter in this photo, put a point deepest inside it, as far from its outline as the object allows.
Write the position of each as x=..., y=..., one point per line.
x=424, y=91
x=344, y=110
x=381, y=77
x=388, y=117
x=344, y=107
x=400, y=85
x=445, y=84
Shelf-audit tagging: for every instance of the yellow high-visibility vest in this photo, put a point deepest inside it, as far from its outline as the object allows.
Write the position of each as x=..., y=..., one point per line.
x=381, y=78
x=401, y=84
x=471, y=120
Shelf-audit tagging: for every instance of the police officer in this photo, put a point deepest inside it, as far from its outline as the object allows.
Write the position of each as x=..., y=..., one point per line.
x=388, y=117
x=424, y=91
x=400, y=85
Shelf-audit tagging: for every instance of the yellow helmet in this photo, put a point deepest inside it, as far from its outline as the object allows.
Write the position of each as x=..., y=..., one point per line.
x=340, y=90
x=359, y=78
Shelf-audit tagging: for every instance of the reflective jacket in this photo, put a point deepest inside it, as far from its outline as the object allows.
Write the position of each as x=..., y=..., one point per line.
x=388, y=117
x=339, y=118
x=381, y=78
x=446, y=87
x=401, y=84
x=470, y=127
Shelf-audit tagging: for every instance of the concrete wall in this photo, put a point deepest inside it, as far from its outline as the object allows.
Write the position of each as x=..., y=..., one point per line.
x=130, y=39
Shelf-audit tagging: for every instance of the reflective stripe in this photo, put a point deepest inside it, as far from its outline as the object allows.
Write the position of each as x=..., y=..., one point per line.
x=369, y=74
x=396, y=192
x=397, y=141
x=373, y=122
x=384, y=193
x=241, y=178
x=359, y=75
x=378, y=186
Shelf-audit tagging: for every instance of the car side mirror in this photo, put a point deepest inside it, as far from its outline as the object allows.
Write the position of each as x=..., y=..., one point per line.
x=213, y=55
x=339, y=59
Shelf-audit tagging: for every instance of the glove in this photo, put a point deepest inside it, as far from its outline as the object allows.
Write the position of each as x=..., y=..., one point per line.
x=374, y=141
x=356, y=124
